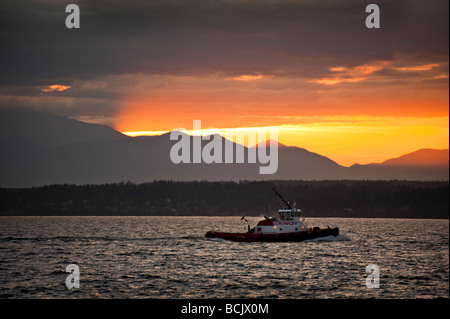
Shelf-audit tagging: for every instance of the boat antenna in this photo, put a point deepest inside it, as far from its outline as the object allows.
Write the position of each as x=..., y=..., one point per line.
x=282, y=199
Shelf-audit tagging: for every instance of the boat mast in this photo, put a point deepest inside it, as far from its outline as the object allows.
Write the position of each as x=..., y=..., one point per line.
x=282, y=199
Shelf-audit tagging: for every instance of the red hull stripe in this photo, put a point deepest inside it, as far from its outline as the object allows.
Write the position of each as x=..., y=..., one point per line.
x=297, y=236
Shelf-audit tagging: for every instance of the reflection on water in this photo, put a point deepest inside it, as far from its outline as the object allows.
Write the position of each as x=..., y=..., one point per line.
x=168, y=257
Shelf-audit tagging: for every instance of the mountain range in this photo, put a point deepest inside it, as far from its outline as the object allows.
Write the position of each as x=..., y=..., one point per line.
x=39, y=148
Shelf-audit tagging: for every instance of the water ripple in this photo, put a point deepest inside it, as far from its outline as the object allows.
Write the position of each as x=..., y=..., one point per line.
x=155, y=257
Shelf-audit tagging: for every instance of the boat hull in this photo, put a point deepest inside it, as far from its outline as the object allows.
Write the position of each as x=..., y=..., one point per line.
x=275, y=237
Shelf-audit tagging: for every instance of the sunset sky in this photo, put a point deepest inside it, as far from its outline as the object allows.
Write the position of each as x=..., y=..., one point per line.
x=309, y=68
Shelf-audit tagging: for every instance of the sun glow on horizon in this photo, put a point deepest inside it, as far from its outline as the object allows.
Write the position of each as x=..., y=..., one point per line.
x=363, y=113
x=348, y=141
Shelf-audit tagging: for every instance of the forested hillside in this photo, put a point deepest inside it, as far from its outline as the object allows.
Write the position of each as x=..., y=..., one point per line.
x=316, y=198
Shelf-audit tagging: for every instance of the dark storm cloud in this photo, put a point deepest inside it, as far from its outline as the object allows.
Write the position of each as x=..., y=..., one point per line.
x=292, y=38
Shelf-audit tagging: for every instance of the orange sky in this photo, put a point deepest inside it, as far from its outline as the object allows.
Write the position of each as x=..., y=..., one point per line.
x=372, y=140
x=351, y=115
x=312, y=69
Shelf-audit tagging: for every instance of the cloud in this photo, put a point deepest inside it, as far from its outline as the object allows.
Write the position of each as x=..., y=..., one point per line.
x=55, y=88
x=248, y=77
x=350, y=75
x=400, y=69
x=337, y=80
x=425, y=67
x=202, y=37
x=290, y=55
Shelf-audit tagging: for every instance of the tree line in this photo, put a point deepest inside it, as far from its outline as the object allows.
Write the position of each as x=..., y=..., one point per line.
x=397, y=199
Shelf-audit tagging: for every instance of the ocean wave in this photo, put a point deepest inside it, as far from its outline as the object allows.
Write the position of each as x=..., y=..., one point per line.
x=94, y=238
x=340, y=237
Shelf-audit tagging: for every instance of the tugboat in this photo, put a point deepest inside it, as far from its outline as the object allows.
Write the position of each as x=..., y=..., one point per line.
x=287, y=225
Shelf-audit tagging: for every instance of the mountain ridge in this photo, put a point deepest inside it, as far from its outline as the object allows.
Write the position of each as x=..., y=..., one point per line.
x=39, y=148
x=438, y=157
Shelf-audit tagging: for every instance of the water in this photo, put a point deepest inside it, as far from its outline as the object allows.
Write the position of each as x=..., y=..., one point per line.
x=168, y=257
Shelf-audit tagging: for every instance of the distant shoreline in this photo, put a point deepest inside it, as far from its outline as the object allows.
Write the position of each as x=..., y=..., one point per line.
x=340, y=199
x=229, y=216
